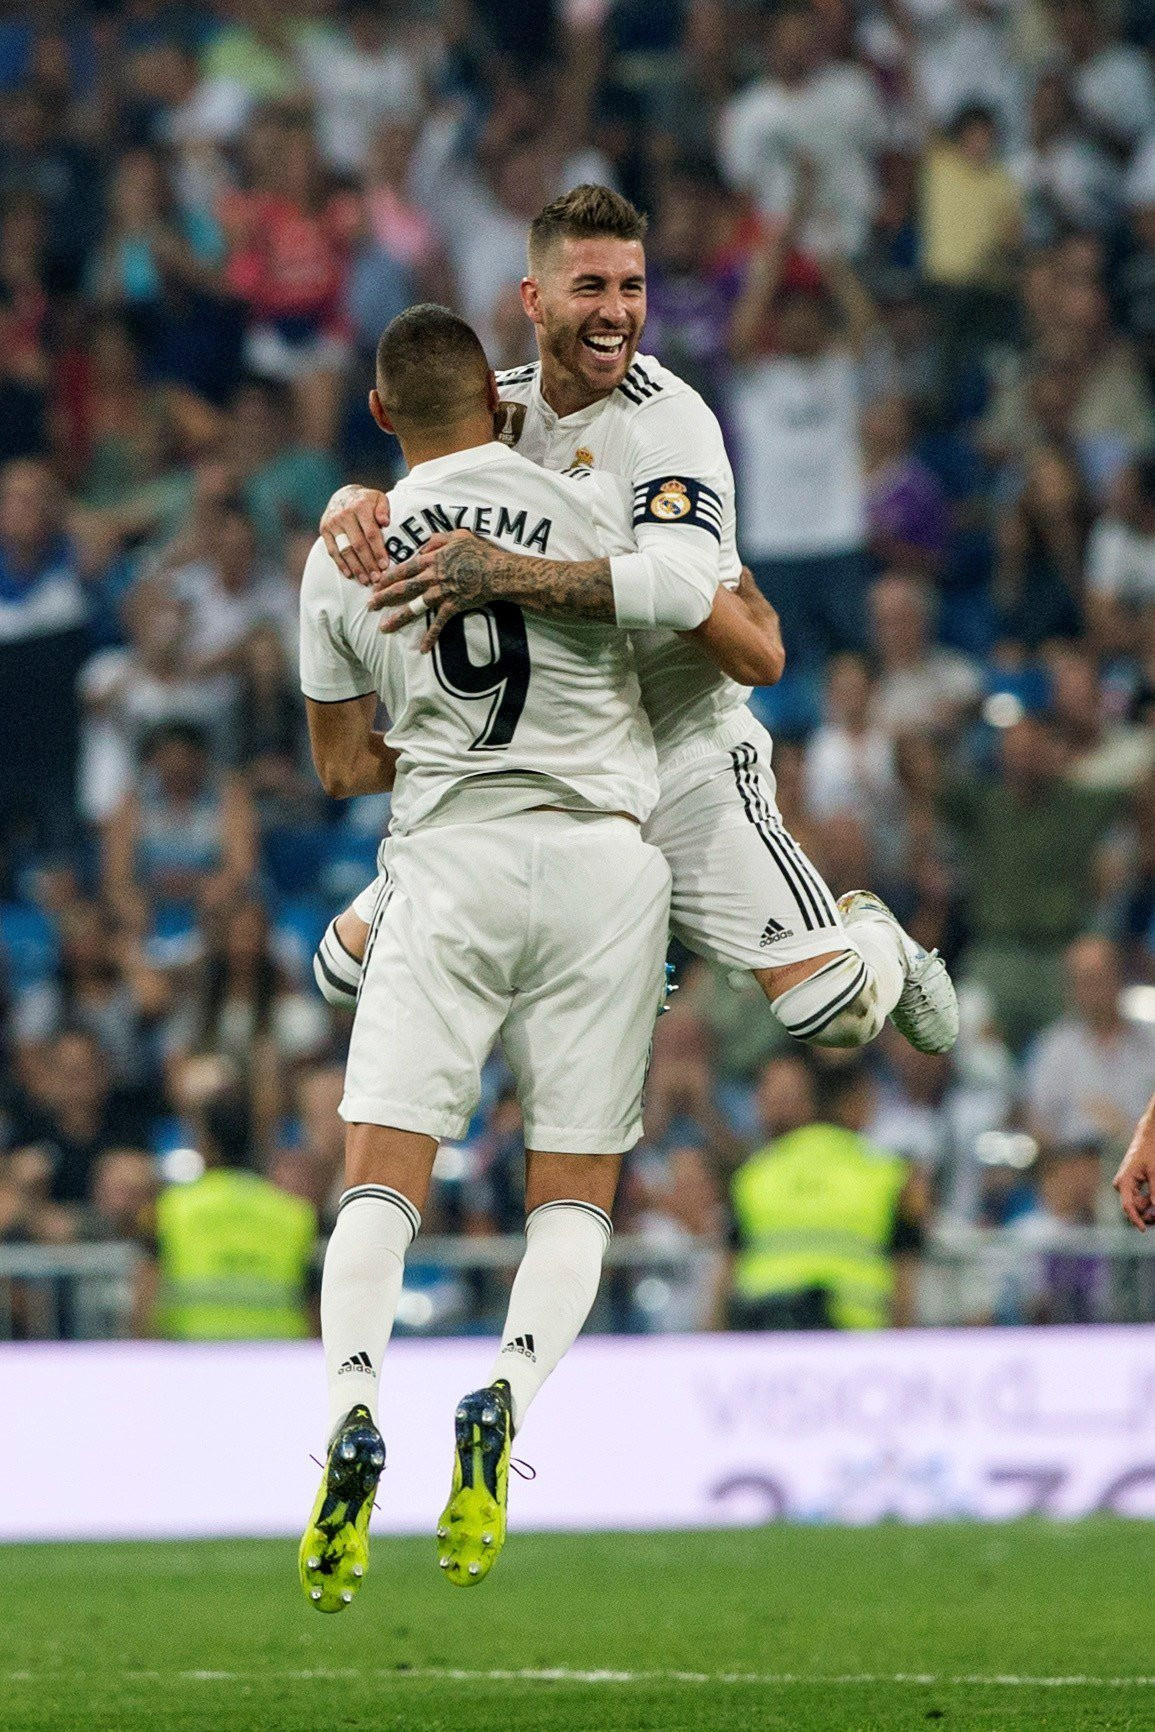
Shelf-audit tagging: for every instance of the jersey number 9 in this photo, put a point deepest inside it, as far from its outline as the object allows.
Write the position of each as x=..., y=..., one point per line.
x=503, y=678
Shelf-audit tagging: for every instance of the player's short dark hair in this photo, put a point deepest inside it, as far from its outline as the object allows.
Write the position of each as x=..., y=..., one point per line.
x=586, y=213
x=430, y=367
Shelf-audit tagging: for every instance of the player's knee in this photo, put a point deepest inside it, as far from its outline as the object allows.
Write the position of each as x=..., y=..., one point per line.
x=837, y=1006
x=337, y=973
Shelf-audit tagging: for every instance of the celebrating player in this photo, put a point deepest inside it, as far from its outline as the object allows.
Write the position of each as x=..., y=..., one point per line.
x=517, y=898
x=744, y=893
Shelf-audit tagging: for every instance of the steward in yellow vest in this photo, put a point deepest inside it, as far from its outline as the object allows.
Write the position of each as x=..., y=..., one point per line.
x=819, y=1223
x=233, y=1252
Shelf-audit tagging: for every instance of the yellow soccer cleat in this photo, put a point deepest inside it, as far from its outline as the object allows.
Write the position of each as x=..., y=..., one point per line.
x=334, y=1553
x=471, y=1531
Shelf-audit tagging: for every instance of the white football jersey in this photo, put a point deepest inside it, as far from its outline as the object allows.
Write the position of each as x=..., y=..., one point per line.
x=520, y=709
x=657, y=436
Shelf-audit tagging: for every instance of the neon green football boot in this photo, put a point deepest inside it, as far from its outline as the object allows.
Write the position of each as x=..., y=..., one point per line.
x=471, y=1531
x=334, y=1553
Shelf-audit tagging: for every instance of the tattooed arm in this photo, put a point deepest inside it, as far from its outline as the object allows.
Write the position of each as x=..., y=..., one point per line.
x=456, y=572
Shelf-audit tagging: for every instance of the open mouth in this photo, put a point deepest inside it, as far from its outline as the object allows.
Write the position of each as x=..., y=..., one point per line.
x=606, y=345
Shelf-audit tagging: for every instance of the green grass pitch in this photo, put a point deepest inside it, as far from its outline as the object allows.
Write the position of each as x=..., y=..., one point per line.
x=998, y=1628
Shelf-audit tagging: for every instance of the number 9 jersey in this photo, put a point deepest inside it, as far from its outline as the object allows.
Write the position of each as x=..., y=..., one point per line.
x=510, y=710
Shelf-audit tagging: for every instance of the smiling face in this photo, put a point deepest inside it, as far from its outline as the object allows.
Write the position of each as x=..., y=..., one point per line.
x=588, y=301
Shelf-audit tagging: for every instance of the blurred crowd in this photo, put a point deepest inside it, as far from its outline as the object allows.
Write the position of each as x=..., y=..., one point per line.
x=906, y=250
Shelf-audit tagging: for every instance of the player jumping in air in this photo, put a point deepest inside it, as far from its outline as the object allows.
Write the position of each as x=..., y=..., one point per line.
x=745, y=895
x=517, y=898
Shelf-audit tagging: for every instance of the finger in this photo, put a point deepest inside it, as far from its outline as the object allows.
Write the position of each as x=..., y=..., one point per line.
x=339, y=555
x=1127, y=1184
x=397, y=618
x=437, y=625
x=370, y=525
x=411, y=578
x=353, y=553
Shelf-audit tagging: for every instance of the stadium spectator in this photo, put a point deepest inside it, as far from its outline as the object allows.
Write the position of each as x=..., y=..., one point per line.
x=1088, y=1076
x=798, y=334
x=289, y=238
x=231, y=1253
x=70, y=1118
x=230, y=590
x=808, y=105
x=245, y=1009
x=104, y=985
x=1028, y=846
x=181, y=843
x=922, y=686
x=850, y=759
x=1046, y=1278
x=44, y=611
x=906, y=508
x=826, y=1227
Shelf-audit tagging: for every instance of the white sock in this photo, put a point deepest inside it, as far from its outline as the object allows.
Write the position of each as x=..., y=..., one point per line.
x=360, y=1287
x=881, y=949
x=553, y=1292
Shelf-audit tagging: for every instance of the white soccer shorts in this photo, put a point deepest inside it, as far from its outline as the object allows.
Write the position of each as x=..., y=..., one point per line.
x=548, y=928
x=745, y=895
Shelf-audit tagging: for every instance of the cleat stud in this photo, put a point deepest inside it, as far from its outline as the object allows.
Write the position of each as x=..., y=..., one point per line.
x=443, y=1533
x=444, y=1562
x=475, y=1569
x=348, y=1451
x=358, y=1571
x=487, y=1539
x=312, y=1563
x=316, y=1594
x=488, y=1416
x=346, y=1597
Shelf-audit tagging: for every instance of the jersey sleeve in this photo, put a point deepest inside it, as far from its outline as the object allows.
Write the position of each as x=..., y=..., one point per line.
x=330, y=671
x=682, y=488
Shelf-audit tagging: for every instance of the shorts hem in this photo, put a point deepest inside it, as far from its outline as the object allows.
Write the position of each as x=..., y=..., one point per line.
x=830, y=939
x=398, y=1116
x=554, y=1140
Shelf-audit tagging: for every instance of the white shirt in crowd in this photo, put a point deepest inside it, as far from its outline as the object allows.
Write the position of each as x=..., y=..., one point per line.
x=835, y=119
x=799, y=457
x=1081, y=1089
x=1121, y=563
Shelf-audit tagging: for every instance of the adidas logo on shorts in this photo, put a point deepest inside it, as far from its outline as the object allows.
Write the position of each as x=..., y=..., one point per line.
x=358, y=1362
x=522, y=1344
x=772, y=932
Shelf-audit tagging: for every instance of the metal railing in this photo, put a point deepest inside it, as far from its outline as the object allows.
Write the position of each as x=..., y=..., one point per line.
x=458, y=1285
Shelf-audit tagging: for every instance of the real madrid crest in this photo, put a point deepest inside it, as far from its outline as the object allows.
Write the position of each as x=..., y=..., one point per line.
x=671, y=501
x=584, y=456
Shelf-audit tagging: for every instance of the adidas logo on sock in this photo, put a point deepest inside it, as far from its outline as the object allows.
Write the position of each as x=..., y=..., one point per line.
x=772, y=932
x=522, y=1344
x=358, y=1362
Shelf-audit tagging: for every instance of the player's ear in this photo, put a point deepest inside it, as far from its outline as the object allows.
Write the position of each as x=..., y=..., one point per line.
x=377, y=410
x=492, y=394
x=531, y=299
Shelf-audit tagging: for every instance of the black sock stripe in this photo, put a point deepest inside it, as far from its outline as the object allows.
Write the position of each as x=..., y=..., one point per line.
x=572, y=1203
x=750, y=797
x=824, y=1017
x=344, y=987
x=384, y=1194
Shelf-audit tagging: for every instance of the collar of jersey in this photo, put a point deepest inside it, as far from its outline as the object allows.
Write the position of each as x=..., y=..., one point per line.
x=456, y=462
x=579, y=416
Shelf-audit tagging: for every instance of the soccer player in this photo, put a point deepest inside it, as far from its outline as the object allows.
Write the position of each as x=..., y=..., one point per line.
x=517, y=898
x=744, y=894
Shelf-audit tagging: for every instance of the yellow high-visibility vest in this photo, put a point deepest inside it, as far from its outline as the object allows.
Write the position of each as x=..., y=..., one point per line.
x=817, y=1209
x=234, y=1257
